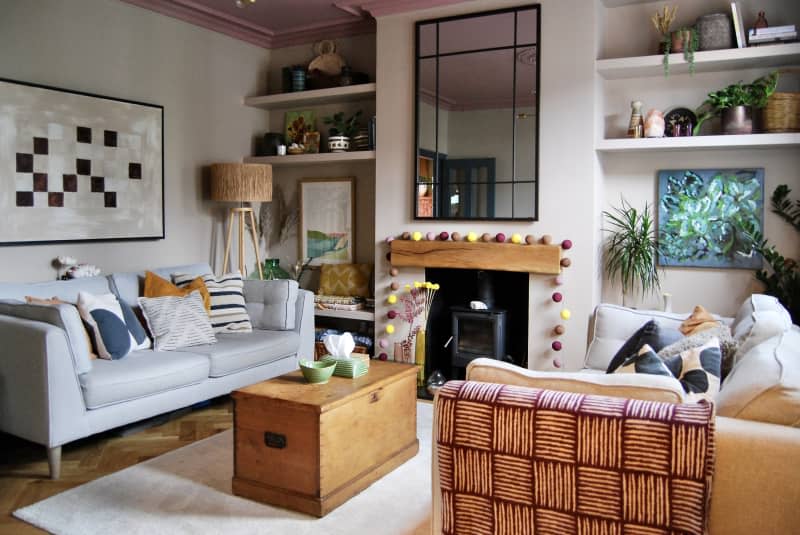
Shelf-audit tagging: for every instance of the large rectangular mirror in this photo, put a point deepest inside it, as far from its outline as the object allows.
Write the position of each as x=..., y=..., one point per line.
x=477, y=80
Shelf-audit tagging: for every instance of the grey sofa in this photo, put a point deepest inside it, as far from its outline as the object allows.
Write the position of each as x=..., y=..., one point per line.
x=52, y=394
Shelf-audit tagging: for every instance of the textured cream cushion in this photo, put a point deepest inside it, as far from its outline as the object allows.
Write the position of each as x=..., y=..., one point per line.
x=759, y=318
x=634, y=386
x=765, y=383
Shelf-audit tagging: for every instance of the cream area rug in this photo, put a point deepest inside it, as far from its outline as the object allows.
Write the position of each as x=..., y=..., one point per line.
x=189, y=491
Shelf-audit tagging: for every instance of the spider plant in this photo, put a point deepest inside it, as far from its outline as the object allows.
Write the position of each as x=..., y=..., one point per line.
x=631, y=250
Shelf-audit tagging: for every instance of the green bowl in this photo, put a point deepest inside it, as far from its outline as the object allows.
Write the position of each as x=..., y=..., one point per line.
x=317, y=371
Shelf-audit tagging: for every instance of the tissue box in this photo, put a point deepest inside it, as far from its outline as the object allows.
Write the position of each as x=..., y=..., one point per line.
x=320, y=351
x=356, y=366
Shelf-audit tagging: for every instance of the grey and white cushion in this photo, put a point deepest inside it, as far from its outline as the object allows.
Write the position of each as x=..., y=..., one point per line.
x=109, y=326
x=644, y=361
x=228, y=311
x=177, y=322
x=699, y=370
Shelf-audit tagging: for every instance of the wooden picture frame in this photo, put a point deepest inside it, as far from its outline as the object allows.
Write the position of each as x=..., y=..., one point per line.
x=78, y=167
x=327, y=220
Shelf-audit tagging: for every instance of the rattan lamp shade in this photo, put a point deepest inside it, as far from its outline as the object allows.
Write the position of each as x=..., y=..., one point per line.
x=241, y=182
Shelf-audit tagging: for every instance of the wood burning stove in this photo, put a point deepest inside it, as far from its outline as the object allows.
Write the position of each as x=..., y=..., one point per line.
x=477, y=333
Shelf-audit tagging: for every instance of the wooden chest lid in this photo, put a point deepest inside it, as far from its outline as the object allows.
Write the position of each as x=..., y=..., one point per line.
x=293, y=389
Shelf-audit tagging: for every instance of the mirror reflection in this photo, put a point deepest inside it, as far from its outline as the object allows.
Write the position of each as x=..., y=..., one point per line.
x=477, y=123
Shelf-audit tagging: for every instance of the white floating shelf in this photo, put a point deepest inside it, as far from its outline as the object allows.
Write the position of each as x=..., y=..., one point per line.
x=365, y=315
x=313, y=159
x=753, y=141
x=708, y=61
x=621, y=3
x=312, y=97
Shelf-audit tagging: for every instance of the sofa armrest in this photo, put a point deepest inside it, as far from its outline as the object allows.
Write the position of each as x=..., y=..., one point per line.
x=624, y=385
x=756, y=486
x=40, y=396
x=304, y=323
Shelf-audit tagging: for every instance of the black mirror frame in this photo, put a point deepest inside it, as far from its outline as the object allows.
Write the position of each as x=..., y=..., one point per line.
x=417, y=27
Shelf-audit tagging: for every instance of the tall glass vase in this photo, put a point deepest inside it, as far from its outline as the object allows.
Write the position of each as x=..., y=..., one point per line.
x=419, y=357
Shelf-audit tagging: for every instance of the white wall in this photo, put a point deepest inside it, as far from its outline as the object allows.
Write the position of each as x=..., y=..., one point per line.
x=566, y=169
x=115, y=49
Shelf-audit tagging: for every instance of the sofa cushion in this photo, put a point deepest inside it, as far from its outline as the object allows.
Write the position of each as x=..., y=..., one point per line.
x=142, y=373
x=155, y=286
x=728, y=346
x=698, y=370
x=236, y=352
x=113, y=337
x=63, y=316
x=699, y=320
x=759, y=318
x=644, y=361
x=129, y=285
x=228, y=312
x=271, y=304
x=651, y=334
x=177, y=322
x=765, y=384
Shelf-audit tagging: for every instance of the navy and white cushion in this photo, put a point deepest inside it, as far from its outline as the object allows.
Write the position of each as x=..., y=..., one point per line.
x=699, y=370
x=115, y=332
x=177, y=322
x=228, y=310
x=644, y=361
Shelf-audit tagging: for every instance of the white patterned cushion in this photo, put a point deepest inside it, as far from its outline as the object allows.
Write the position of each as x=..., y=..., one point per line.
x=114, y=328
x=177, y=322
x=228, y=310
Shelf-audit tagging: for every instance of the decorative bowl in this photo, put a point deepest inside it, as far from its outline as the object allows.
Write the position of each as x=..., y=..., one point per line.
x=317, y=371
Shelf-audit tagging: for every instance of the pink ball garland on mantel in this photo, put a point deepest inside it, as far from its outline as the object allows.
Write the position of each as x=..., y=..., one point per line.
x=383, y=356
x=500, y=237
x=392, y=314
x=444, y=236
x=556, y=345
x=383, y=342
x=430, y=236
x=566, y=244
x=557, y=297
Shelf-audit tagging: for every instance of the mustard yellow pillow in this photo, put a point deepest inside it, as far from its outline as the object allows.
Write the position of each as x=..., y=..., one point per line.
x=345, y=279
x=155, y=286
x=699, y=320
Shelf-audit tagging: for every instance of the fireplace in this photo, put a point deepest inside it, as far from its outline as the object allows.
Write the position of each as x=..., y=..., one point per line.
x=477, y=333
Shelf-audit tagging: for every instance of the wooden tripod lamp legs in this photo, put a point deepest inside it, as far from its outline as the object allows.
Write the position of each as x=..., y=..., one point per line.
x=242, y=267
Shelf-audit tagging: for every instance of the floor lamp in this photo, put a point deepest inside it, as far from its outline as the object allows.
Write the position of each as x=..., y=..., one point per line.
x=241, y=182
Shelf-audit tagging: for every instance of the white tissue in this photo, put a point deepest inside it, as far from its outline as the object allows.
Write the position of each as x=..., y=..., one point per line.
x=340, y=346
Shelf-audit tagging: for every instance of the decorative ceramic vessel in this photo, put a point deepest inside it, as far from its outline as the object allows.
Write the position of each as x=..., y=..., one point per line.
x=317, y=371
x=737, y=120
x=714, y=32
x=339, y=143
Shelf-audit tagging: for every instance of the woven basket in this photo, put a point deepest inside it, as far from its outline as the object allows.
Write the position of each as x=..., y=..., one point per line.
x=320, y=351
x=782, y=113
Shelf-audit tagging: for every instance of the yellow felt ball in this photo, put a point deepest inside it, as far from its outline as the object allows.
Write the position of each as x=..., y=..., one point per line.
x=416, y=236
x=565, y=314
x=389, y=329
x=471, y=237
x=392, y=299
x=516, y=238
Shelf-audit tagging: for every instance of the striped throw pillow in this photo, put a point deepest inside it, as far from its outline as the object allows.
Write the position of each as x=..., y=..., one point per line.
x=228, y=312
x=177, y=322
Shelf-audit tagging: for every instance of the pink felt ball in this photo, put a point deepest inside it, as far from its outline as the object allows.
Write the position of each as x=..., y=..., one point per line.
x=456, y=236
x=486, y=237
x=557, y=363
x=383, y=342
x=500, y=237
x=383, y=356
x=394, y=272
x=558, y=281
x=430, y=236
x=392, y=314
x=566, y=244
x=556, y=345
x=444, y=236
x=557, y=297
x=530, y=239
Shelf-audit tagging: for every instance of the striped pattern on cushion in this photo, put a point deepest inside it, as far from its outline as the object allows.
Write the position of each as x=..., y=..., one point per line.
x=177, y=322
x=228, y=312
x=511, y=459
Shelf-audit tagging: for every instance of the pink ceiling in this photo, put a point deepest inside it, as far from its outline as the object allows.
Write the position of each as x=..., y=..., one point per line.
x=279, y=23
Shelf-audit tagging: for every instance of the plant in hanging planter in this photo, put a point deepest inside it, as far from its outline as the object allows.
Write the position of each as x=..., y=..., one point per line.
x=682, y=40
x=736, y=102
x=631, y=250
x=341, y=130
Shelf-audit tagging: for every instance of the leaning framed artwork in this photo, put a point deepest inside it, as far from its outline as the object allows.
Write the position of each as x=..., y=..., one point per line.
x=706, y=217
x=327, y=220
x=78, y=167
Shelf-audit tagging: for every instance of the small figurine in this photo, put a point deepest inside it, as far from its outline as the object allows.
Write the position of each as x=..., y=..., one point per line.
x=636, y=125
x=761, y=21
x=654, y=124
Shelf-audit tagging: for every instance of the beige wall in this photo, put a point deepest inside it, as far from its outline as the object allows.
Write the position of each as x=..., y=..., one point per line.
x=568, y=185
x=115, y=49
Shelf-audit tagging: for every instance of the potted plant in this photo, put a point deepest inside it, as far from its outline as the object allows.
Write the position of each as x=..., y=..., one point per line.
x=681, y=40
x=735, y=104
x=632, y=250
x=341, y=130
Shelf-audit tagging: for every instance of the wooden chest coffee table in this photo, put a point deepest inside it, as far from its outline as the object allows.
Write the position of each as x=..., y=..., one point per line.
x=311, y=447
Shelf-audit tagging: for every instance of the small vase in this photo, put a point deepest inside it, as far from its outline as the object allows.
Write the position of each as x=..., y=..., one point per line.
x=271, y=269
x=399, y=353
x=338, y=143
x=419, y=357
x=737, y=120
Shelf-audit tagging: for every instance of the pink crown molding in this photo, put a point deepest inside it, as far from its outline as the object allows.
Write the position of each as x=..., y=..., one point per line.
x=381, y=8
x=319, y=31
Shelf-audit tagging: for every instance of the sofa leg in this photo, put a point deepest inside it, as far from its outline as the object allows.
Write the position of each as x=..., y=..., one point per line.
x=54, y=460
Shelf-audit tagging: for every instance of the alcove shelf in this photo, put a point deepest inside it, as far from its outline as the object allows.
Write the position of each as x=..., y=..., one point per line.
x=364, y=315
x=312, y=97
x=705, y=61
x=751, y=141
x=313, y=159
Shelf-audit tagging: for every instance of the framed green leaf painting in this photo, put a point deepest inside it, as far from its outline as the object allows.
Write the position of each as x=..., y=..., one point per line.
x=706, y=217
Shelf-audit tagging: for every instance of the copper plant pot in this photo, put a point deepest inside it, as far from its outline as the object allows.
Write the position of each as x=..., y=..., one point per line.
x=737, y=120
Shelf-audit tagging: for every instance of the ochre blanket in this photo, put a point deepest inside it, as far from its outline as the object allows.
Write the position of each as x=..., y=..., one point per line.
x=524, y=461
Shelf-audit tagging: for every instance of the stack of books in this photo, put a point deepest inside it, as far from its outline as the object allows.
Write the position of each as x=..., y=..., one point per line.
x=775, y=34
x=338, y=302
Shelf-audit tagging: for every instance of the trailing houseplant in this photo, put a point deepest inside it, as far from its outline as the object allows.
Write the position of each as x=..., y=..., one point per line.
x=752, y=95
x=341, y=130
x=681, y=40
x=631, y=250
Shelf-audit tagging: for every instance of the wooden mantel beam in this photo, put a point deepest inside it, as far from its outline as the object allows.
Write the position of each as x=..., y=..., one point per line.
x=545, y=259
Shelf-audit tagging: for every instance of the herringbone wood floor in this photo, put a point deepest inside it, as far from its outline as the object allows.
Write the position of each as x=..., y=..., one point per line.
x=23, y=465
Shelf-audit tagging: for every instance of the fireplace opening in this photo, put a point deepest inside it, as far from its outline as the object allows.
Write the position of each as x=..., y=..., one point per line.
x=458, y=333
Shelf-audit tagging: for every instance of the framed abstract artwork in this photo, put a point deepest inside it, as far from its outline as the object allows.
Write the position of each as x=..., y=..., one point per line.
x=327, y=220
x=706, y=217
x=78, y=167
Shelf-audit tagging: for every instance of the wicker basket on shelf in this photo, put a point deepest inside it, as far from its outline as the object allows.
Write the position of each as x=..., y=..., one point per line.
x=320, y=351
x=782, y=112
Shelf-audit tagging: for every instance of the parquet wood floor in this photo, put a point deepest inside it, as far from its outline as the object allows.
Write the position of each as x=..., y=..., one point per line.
x=23, y=465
